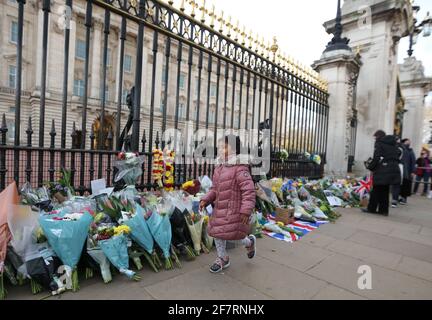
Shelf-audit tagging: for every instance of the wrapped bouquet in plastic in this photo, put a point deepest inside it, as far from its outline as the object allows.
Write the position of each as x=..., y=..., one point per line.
x=67, y=233
x=129, y=167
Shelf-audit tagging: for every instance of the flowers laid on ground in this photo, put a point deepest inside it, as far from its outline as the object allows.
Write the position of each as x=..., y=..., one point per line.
x=129, y=225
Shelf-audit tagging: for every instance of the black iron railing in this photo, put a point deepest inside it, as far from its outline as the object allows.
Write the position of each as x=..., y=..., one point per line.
x=250, y=87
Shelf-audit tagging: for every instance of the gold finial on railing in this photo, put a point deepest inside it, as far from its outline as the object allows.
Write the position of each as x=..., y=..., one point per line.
x=250, y=39
x=236, y=31
x=170, y=2
x=193, y=5
x=213, y=16
x=274, y=48
x=229, y=26
x=133, y=3
x=182, y=6
x=221, y=22
x=243, y=36
x=203, y=10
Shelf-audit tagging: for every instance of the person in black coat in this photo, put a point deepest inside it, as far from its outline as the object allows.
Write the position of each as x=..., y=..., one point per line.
x=409, y=163
x=385, y=172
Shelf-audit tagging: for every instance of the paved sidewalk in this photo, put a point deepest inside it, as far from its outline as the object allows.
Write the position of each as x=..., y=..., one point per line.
x=322, y=265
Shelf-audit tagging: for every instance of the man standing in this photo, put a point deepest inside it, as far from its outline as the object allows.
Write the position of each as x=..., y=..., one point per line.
x=409, y=163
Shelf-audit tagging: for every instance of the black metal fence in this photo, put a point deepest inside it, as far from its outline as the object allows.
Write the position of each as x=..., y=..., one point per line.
x=252, y=83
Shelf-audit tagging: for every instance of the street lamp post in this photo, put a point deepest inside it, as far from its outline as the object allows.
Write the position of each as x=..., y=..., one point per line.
x=424, y=27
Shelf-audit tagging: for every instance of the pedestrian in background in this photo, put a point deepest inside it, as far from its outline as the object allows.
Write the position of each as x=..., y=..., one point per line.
x=409, y=162
x=423, y=171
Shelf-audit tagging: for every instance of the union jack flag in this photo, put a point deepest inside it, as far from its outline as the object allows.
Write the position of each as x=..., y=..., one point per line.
x=365, y=186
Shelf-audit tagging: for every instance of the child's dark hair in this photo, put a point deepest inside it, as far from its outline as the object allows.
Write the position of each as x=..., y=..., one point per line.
x=234, y=142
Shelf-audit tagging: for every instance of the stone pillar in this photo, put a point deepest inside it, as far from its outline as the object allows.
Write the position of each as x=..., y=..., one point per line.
x=340, y=68
x=415, y=87
x=96, y=62
x=374, y=28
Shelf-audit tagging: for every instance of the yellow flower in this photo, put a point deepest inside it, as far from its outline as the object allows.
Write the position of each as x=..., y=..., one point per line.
x=206, y=219
x=280, y=224
x=121, y=229
x=188, y=184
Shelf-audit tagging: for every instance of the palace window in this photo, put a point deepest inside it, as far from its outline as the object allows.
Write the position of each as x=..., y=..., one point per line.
x=213, y=90
x=80, y=50
x=12, y=76
x=128, y=63
x=78, y=89
x=14, y=32
x=212, y=116
x=181, y=112
x=182, y=81
x=124, y=96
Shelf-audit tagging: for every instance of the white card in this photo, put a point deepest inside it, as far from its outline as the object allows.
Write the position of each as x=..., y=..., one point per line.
x=97, y=186
x=209, y=209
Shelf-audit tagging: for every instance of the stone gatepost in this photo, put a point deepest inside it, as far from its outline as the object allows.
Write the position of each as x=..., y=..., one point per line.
x=415, y=87
x=340, y=68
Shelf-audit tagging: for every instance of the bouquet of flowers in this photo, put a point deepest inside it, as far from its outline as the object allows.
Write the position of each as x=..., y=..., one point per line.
x=129, y=167
x=96, y=253
x=160, y=228
x=181, y=237
x=169, y=170
x=158, y=167
x=67, y=234
x=195, y=225
x=283, y=155
x=8, y=198
x=140, y=233
x=62, y=189
x=207, y=240
x=33, y=256
x=316, y=158
x=114, y=244
x=38, y=198
x=192, y=187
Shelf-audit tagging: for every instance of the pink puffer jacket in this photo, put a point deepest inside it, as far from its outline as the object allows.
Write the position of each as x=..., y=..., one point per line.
x=233, y=195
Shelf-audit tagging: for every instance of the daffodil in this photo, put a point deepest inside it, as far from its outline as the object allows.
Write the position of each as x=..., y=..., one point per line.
x=123, y=229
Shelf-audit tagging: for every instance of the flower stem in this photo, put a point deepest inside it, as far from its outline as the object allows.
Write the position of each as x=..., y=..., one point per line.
x=75, y=283
x=35, y=286
x=89, y=273
x=137, y=262
x=150, y=262
x=3, y=291
x=175, y=257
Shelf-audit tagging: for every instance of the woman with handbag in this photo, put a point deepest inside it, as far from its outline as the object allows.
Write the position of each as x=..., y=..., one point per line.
x=385, y=172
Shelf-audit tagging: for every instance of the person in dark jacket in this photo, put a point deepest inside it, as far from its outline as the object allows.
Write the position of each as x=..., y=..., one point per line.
x=424, y=171
x=396, y=189
x=409, y=163
x=385, y=172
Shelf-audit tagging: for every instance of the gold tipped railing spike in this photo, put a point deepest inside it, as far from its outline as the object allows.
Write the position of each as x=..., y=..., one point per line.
x=133, y=3
x=221, y=22
x=170, y=2
x=274, y=48
x=182, y=6
x=229, y=25
x=203, y=11
x=193, y=5
x=213, y=15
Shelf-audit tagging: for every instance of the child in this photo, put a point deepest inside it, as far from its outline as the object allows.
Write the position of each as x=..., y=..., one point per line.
x=233, y=196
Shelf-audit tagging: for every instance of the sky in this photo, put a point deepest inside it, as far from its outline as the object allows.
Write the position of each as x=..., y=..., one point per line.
x=298, y=26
